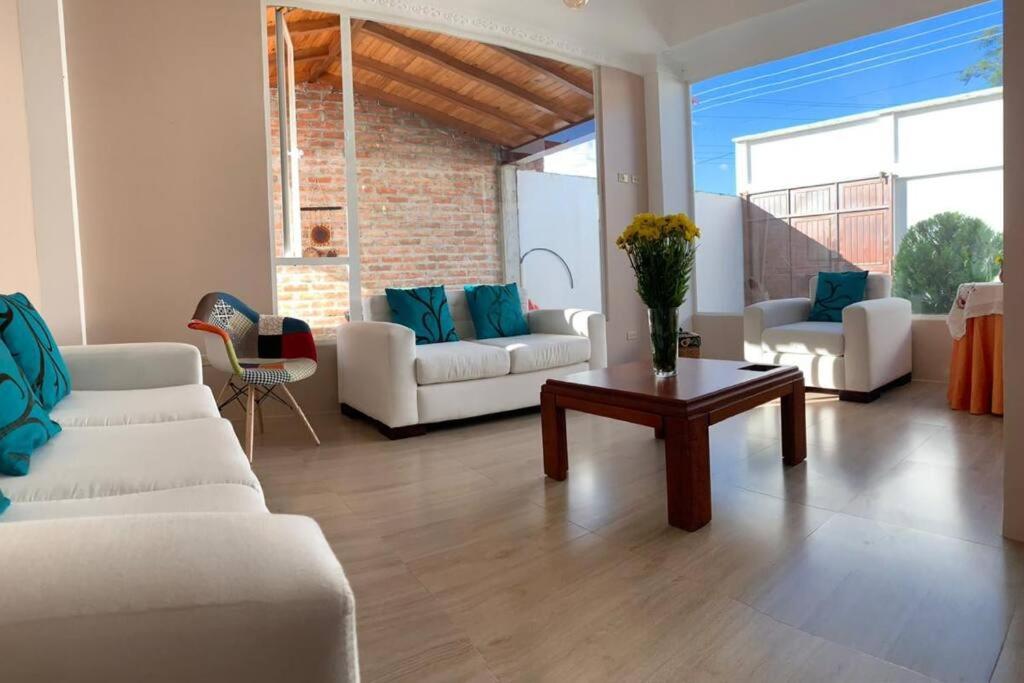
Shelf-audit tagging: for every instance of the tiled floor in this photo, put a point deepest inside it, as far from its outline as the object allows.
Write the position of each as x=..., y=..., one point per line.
x=879, y=559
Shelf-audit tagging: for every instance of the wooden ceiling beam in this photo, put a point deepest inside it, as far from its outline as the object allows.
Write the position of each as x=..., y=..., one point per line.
x=440, y=117
x=453, y=96
x=447, y=61
x=333, y=53
x=307, y=26
x=537, y=65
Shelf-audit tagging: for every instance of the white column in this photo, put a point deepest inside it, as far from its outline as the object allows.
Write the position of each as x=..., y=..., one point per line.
x=670, y=156
x=58, y=248
x=1013, y=292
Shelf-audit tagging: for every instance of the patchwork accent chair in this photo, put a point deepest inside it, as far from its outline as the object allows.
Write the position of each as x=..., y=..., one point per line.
x=261, y=353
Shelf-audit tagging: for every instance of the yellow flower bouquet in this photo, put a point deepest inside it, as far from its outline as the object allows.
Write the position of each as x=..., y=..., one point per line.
x=661, y=251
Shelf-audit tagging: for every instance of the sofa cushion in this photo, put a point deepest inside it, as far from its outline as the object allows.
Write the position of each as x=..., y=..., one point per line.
x=813, y=338
x=836, y=291
x=135, y=406
x=496, y=310
x=533, y=352
x=92, y=462
x=24, y=424
x=34, y=349
x=459, y=361
x=205, y=498
x=424, y=310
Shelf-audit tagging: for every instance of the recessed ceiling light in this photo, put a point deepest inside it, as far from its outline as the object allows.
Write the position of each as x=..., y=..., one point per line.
x=575, y=4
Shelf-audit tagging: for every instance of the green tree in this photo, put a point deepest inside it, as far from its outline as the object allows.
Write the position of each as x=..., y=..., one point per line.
x=940, y=253
x=990, y=66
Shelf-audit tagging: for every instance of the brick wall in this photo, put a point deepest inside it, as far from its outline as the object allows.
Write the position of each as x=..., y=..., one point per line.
x=428, y=205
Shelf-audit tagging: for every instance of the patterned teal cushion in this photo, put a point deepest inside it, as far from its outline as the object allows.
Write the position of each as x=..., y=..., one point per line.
x=5, y=502
x=425, y=311
x=24, y=425
x=835, y=292
x=25, y=333
x=496, y=311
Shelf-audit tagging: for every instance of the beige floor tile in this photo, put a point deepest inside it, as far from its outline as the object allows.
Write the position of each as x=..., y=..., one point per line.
x=468, y=564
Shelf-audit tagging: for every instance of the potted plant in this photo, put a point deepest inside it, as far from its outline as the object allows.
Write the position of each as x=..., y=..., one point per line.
x=661, y=250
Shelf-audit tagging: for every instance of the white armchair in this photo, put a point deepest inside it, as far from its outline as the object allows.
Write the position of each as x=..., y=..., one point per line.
x=868, y=352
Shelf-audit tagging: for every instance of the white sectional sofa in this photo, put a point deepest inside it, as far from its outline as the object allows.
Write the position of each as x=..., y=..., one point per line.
x=139, y=547
x=402, y=386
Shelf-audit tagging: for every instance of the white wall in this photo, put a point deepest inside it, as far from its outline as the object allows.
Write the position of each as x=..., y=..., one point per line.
x=910, y=141
x=622, y=136
x=54, y=198
x=559, y=212
x=669, y=156
x=719, y=253
x=811, y=157
x=18, y=271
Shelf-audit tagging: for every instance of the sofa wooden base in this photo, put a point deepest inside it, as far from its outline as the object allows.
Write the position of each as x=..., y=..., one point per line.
x=869, y=396
x=395, y=433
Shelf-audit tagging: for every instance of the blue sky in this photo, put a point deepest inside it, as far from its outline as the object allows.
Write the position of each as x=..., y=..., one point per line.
x=919, y=61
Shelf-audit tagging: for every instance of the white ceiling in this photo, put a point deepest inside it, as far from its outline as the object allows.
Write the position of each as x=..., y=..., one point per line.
x=696, y=35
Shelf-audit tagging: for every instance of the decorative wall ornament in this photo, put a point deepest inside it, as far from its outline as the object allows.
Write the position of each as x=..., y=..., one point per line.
x=481, y=26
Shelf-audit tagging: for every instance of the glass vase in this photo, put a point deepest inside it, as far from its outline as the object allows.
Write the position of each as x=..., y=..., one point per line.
x=664, y=324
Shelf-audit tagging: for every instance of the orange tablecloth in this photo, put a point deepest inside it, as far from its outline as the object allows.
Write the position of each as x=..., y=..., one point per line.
x=976, y=371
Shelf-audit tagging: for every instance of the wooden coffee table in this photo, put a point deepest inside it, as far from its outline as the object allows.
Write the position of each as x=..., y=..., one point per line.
x=680, y=409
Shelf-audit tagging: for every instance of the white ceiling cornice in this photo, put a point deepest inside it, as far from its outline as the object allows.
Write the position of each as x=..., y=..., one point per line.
x=477, y=26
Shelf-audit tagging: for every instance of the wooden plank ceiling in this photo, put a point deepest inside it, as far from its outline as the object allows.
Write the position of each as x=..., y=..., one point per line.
x=493, y=93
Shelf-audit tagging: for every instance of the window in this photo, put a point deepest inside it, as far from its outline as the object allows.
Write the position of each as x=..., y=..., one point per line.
x=388, y=147
x=842, y=159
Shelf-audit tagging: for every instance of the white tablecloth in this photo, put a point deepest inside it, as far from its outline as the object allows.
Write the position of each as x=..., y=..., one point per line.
x=973, y=300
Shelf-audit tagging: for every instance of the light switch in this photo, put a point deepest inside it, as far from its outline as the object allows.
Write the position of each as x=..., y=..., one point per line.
x=623, y=177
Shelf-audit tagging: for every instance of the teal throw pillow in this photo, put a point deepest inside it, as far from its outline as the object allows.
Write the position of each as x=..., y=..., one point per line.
x=835, y=292
x=425, y=311
x=496, y=311
x=34, y=349
x=24, y=425
x=5, y=502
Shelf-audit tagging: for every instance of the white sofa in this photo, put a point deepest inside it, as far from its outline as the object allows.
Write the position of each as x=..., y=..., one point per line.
x=865, y=353
x=139, y=547
x=384, y=375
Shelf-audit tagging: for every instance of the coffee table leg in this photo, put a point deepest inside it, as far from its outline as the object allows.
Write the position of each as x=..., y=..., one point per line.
x=556, y=450
x=688, y=472
x=794, y=426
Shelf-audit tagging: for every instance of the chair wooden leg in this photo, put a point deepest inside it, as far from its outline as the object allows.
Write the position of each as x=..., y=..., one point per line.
x=250, y=419
x=259, y=416
x=298, y=411
x=223, y=389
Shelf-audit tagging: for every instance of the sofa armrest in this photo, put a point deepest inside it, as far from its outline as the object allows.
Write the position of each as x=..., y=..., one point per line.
x=174, y=597
x=578, y=322
x=132, y=366
x=760, y=316
x=877, y=337
x=377, y=371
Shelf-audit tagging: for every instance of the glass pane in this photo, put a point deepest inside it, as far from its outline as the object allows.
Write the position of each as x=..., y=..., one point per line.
x=316, y=294
x=320, y=139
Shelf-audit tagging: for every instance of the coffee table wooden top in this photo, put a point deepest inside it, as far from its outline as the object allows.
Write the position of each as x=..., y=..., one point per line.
x=699, y=383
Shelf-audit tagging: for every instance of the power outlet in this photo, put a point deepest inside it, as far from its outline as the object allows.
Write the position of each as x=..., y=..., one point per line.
x=631, y=335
